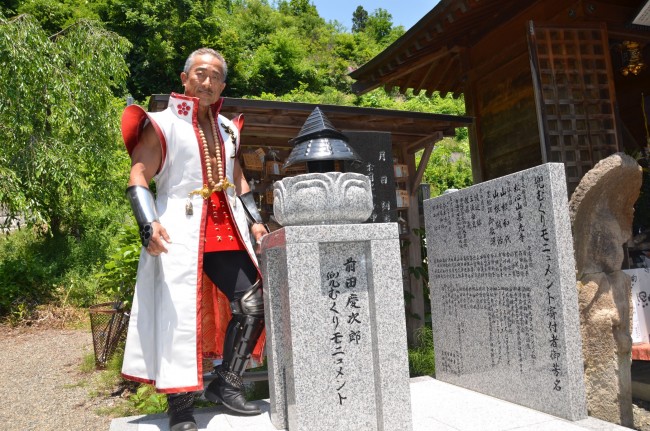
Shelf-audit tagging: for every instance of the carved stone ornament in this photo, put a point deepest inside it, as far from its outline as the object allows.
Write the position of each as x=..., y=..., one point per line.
x=322, y=198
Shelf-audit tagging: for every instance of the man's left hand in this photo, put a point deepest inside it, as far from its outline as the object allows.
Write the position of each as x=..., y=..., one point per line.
x=258, y=230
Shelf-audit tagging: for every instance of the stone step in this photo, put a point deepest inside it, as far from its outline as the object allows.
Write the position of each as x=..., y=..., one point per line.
x=435, y=406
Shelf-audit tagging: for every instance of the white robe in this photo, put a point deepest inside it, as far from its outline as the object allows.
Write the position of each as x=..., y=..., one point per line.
x=163, y=345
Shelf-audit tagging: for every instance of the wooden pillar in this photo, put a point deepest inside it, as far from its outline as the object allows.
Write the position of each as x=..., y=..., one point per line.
x=471, y=109
x=416, y=308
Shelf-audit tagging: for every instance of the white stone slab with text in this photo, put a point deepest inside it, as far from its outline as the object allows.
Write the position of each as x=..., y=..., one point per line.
x=503, y=291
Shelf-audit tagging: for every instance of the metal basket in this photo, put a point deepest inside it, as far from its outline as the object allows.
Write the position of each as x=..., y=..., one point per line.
x=108, y=323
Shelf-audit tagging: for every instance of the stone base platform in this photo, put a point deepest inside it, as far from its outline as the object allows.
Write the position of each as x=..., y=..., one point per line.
x=435, y=406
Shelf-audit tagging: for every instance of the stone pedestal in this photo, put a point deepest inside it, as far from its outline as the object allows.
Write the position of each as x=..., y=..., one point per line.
x=336, y=334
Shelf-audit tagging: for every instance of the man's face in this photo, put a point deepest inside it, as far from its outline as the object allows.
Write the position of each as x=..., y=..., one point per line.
x=204, y=79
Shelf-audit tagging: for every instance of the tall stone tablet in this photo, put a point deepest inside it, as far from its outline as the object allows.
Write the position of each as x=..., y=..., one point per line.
x=503, y=291
x=336, y=331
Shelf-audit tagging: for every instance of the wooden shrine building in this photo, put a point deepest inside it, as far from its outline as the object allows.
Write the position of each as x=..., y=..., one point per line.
x=546, y=80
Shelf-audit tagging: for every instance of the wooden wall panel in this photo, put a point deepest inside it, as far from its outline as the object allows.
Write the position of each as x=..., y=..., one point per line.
x=575, y=95
x=508, y=128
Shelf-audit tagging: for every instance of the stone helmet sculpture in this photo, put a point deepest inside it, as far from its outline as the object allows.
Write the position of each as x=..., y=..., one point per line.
x=323, y=195
x=319, y=145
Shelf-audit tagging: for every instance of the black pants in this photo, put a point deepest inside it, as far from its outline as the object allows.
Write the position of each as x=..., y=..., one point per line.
x=232, y=271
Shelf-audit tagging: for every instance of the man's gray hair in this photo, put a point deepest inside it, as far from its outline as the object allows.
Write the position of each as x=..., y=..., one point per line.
x=190, y=60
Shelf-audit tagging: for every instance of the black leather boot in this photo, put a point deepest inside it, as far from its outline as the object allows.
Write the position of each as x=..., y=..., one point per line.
x=180, y=409
x=228, y=388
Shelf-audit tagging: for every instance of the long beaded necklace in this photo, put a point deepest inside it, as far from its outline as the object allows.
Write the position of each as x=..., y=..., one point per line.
x=212, y=186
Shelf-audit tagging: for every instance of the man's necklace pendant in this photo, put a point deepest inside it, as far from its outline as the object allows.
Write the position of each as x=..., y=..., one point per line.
x=205, y=193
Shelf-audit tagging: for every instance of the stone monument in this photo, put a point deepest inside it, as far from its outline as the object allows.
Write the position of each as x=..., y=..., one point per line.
x=503, y=298
x=602, y=208
x=333, y=298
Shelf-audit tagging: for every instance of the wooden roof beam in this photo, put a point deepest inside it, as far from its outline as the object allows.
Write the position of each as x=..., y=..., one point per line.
x=416, y=146
x=408, y=81
x=434, y=65
x=446, y=67
x=451, y=81
x=424, y=160
x=360, y=87
x=416, y=62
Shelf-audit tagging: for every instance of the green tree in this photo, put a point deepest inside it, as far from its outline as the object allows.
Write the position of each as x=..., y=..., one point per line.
x=58, y=121
x=359, y=19
x=163, y=33
x=449, y=166
x=280, y=64
x=297, y=7
x=9, y=7
x=379, y=24
x=54, y=15
x=62, y=166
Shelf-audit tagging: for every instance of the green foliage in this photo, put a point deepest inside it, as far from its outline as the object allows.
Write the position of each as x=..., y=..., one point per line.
x=281, y=63
x=62, y=168
x=36, y=269
x=87, y=363
x=54, y=15
x=359, y=19
x=112, y=370
x=108, y=382
x=163, y=34
x=147, y=401
x=27, y=272
x=117, y=279
x=268, y=48
x=379, y=24
x=297, y=7
x=380, y=98
x=272, y=47
x=449, y=166
x=421, y=357
x=59, y=134
x=9, y=7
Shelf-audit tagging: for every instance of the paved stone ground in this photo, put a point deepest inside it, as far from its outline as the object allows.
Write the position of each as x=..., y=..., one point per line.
x=42, y=387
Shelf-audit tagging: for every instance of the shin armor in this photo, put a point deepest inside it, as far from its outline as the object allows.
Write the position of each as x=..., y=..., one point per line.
x=244, y=328
x=242, y=333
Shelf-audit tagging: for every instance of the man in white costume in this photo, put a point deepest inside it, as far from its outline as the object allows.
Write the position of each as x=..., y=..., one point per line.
x=198, y=291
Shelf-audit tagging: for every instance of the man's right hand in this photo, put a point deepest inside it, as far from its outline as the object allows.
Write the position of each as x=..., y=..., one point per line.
x=158, y=240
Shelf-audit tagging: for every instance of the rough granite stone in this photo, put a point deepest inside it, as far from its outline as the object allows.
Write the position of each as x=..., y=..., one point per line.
x=336, y=331
x=322, y=198
x=503, y=297
x=602, y=209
